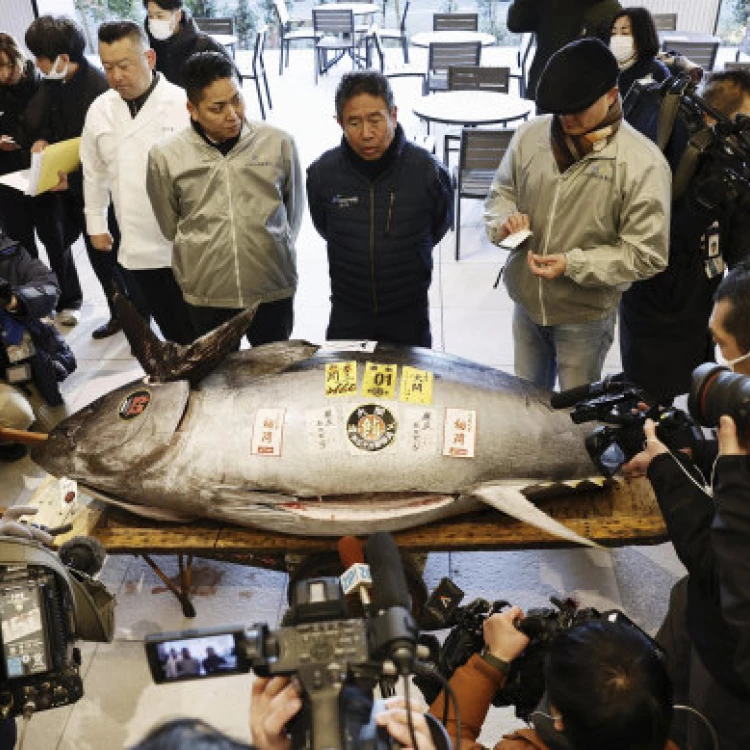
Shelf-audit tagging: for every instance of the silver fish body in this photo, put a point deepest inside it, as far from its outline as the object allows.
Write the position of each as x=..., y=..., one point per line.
x=259, y=442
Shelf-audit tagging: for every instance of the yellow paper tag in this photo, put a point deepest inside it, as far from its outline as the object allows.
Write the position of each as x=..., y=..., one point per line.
x=380, y=380
x=341, y=379
x=416, y=386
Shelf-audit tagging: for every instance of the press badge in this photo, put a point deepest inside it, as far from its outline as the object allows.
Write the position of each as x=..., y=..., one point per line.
x=21, y=351
x=18, y=373
x=713, y=260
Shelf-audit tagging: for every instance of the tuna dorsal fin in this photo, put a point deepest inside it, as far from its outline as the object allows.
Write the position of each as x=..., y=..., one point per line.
x=164, y=360
x=509, y=499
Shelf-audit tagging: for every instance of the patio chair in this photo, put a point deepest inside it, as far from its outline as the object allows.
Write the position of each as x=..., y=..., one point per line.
x=480, y=154
x=334, y=32
x=290, y=30
x=258, y=70
x=665, y=21
x=455, y=22
x=398, y=70
x=737, y=66
x=220, y=26
x=443, y=55
x=701, y=53
x=472, y=78
x=399, y=34
x=528, y=44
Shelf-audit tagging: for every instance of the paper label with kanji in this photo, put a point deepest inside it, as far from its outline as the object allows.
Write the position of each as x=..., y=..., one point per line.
x=268, y=432
x=341, y=379
x=416, y=386
x=422, y=430
x=322, y=426
x=460, y=433
x=380, y=381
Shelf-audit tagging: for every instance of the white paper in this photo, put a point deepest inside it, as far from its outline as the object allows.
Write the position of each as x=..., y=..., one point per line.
x=512, y=241
x=16, y=180
x=268, y=432
x=460, y=433
x=349, y=346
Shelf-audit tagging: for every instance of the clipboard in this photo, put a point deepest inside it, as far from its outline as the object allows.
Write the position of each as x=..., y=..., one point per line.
x=64, y=156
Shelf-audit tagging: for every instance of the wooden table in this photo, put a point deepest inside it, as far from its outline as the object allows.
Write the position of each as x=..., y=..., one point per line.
x=426, y=38
x=619, y=515
x=471, y=108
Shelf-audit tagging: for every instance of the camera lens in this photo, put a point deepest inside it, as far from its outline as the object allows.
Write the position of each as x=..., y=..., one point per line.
x=716, y=390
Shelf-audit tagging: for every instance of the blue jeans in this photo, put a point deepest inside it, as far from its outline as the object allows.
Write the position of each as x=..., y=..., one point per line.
x=573, y=352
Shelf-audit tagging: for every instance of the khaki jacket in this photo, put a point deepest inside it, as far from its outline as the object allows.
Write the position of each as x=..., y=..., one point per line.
x=608, y=213
x=233, y=219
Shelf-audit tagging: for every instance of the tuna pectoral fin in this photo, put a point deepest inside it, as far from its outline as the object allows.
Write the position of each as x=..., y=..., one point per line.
x=144, y=511
x=509, y=499
x=165, y=360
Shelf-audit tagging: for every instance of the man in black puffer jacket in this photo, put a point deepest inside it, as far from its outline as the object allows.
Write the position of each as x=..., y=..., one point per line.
x=174, y=36
x=381, y=203
x=30, y=351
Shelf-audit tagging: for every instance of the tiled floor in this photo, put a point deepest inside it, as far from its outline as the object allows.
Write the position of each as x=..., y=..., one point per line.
x=471, y=319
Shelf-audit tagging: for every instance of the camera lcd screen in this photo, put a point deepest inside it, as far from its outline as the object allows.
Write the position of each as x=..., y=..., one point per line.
x=24, y=644
x=194, y=658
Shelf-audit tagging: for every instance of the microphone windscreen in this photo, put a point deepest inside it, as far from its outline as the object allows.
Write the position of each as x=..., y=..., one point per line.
x=389, y=588
x=351, y=551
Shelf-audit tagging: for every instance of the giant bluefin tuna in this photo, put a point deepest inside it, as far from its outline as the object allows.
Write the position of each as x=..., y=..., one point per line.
x=303, y=439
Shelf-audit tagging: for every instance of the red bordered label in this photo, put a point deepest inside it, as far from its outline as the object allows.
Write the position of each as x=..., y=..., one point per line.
x=134, y=404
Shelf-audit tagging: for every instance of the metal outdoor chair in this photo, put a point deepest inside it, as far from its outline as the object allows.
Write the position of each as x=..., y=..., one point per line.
x=665, y=21
x=290, y=30
x=399, y=70
x=528, y=44
x=701, y=53
x=472, y=78
x=334, y=32
x=443, y=55
x=399, y=34
x=455, y=22
x=480, y=154
x=258, y=70
x=737, y=66
x=218, y=26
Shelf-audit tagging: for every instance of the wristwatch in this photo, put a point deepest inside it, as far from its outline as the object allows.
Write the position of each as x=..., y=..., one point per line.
x=501, y=666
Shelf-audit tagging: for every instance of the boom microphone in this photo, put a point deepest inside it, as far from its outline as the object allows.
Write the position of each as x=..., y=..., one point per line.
x=610, y=384
x=394, y=633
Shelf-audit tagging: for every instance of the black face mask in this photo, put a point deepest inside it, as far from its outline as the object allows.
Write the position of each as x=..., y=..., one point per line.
x=544, y=726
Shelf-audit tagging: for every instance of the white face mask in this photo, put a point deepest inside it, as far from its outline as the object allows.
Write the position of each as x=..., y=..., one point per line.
x=623, y=47
x=730, y=363
x=55, y=74
x=160, y=29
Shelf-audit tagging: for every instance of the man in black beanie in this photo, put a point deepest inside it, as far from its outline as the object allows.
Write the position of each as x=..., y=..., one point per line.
x=595, y=195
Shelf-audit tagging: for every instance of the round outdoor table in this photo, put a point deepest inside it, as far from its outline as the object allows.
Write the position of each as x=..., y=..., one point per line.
x=359, y=9
x=471, y=108
x=426, y=38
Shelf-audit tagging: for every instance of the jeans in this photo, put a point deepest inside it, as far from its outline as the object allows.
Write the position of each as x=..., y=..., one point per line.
x=572, y=352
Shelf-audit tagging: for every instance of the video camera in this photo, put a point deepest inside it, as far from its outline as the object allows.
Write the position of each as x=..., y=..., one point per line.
x=337, y=660
x=714, y=390
x=45, y=607
x=524, y=685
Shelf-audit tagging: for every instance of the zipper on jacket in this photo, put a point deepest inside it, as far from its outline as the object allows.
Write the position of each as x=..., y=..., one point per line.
x=234, y=235
x=391, y=199
x=544, y=251
x=372, y=249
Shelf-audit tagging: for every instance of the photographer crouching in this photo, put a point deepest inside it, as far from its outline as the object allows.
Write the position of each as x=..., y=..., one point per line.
x=606, y=687
x=31, y=352
x=704, y=500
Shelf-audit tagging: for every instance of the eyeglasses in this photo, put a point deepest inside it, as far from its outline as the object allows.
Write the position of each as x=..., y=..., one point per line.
x=546, y=716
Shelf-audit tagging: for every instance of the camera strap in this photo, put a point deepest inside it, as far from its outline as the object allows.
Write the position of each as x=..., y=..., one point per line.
x=697, y=144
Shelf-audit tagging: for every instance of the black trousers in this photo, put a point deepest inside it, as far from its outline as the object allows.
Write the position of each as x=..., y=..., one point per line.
x=273, y=321
x=163, y=296
x=409, y=326
x=17, y=217
x=60, y=221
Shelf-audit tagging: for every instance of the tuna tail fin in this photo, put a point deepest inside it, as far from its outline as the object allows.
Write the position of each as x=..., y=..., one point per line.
x=164, y=360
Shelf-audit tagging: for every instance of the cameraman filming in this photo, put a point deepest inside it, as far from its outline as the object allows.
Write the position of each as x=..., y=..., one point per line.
x=30, y=350
x=606, y=688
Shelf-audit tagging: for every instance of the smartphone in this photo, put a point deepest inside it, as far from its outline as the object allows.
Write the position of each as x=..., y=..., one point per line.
x=25, y=647
x=196, y=654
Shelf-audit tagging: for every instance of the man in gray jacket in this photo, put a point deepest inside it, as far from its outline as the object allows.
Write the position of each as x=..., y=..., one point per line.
x=229, y=194
x=595, y=195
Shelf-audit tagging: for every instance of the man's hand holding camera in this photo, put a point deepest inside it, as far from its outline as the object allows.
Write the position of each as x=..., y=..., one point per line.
x=503, y=639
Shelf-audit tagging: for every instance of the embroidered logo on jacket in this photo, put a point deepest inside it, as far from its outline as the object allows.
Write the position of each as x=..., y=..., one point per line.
x=341, y=201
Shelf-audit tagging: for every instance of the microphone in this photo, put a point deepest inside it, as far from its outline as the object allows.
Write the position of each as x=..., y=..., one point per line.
x=356, y=577
x=393, y=631
x=610, y=384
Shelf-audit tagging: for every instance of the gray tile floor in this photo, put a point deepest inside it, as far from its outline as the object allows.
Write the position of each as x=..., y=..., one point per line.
x=470, y=319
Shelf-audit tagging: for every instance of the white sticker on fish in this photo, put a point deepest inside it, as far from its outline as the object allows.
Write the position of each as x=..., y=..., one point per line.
x=346, y=345
x=460, y=435
x=268, y=432
x=322, y=429
x=422, y=430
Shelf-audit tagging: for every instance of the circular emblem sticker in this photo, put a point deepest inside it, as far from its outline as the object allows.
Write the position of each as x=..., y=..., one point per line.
x=371, y=427
x=134, y=404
